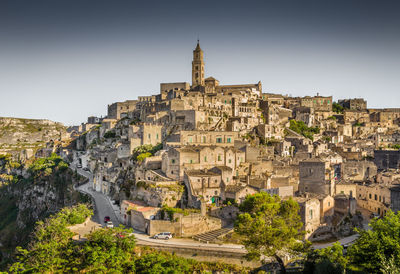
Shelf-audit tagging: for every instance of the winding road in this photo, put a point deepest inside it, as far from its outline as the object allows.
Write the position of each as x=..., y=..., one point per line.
x=105, y=207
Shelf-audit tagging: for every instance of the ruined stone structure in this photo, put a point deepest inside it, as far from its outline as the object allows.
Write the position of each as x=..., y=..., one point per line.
x=353, y=104
x=385, y=159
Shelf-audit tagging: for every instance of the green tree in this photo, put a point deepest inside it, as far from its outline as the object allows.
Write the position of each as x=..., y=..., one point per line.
x=375, y=248
x=326, y=260
x=108, y=249
x=269, y=226
x=337, y=108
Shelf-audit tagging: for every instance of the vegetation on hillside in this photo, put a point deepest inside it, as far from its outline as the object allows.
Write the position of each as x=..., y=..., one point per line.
x=105, y=250
x=269, y=226
x=337, y=108
x=47, y=165
x=142, y=152
x=375, y=251
x=44, y=189
x=301, y=128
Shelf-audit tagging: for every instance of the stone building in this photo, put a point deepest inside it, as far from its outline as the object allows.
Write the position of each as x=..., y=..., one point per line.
x=203, y=138
x=116, y=110
x=238, y=193
x=387, y=115
x=145, y=134
x=172, y=90
x=385, y=159
x=203, y=184
x=374, y=197
x=353, y=104
x=317, y=177
x=345, y=204
x=358, y=171
x=318, y=103
x=177, y=160
x=310, y=214
x=395, y=198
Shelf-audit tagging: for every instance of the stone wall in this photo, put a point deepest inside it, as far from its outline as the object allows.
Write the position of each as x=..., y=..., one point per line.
x=185, y=226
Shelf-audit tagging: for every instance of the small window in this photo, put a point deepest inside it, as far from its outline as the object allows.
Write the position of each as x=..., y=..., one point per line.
x=173, y=161
x=219, y=157
x=230, y=161
x=227, y=179
x=204, y=139
x=157, y=136
x=228, y=140
x=205, y=158
x=311, y=213
x=149, y=136
x=376, y=197
x=219, y=140
x=191, y=161
x=370, y=196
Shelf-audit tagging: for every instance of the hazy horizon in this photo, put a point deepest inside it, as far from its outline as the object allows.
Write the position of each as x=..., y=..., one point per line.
x=66, y=60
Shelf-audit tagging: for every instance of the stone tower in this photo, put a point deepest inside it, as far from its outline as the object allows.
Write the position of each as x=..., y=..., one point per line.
x=197, y=67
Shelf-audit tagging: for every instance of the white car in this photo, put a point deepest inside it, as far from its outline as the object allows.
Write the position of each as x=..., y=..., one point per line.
x=109, y=224
x=163, y=235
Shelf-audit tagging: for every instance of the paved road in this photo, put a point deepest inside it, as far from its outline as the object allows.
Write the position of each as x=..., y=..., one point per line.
x=103, y=204
x=104, y=207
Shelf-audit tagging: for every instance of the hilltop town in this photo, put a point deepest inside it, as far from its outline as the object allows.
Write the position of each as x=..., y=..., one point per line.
x=204, y=145
x=195, y=150
x=181, y=162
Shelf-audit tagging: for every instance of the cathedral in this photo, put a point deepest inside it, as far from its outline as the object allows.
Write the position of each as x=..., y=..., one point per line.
x=210, y=84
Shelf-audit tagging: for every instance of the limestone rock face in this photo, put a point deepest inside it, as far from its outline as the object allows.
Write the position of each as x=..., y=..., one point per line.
x=157, y=196
x=28, y=199
x=19, y=131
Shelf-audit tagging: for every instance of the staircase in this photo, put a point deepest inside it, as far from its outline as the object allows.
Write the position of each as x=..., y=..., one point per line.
x=213, y=235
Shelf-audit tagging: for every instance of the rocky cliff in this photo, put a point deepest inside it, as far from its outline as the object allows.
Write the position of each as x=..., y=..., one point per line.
x=21, y=134
x=30, y=192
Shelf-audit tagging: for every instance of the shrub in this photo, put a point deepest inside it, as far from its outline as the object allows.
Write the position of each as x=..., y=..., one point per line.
x=109, y=134
x=143, y=156
x=301, y=128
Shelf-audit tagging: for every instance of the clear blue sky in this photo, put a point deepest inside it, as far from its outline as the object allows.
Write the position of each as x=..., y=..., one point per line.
x=66, y=60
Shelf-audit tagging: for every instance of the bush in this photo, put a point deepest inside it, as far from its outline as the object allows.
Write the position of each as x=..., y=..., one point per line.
x=337, y=108
x=109, y=134
x=143, y=156
x=301, y=128
x=47, y=165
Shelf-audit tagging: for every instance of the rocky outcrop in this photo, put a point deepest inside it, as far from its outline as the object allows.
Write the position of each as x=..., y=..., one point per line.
x=18, y=134
x=24, y=201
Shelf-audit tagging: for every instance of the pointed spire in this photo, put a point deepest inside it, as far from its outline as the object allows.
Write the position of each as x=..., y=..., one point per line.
x=198, y=45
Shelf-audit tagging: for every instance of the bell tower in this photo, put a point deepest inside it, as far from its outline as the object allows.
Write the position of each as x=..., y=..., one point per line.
x=197, y=67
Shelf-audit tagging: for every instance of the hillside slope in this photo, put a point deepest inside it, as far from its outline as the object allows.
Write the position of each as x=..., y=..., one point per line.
x=17, y=134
